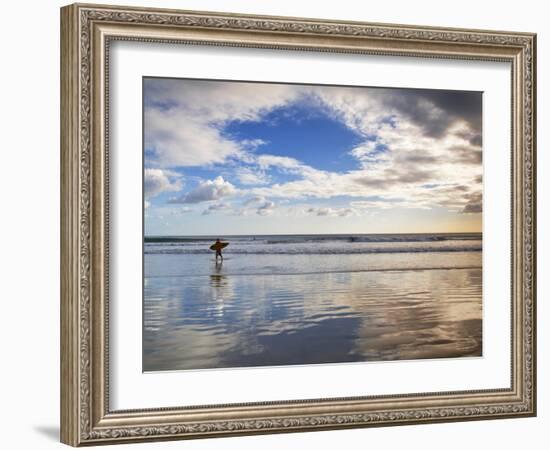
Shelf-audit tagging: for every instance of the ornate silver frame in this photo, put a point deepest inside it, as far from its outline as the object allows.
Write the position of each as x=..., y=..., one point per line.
x=86, y=33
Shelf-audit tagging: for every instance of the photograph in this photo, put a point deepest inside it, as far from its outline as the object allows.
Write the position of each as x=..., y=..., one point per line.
x=295, y=224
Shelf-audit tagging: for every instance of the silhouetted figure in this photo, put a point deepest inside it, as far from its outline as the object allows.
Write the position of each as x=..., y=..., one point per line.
x=217, y=247
x=219, y=250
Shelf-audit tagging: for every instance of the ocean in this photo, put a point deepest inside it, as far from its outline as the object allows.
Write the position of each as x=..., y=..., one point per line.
x=281, y=300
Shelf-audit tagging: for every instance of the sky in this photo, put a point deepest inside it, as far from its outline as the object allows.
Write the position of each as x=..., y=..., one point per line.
x=227, y=158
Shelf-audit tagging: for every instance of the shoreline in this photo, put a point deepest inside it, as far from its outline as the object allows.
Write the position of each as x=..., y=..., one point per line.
x=405, y=269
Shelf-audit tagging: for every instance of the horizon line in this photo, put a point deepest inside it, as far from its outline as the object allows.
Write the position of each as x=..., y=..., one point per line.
x=309, y=234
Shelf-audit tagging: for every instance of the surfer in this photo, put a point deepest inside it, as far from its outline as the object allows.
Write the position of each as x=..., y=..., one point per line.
x=217, y=246
x=219, y=249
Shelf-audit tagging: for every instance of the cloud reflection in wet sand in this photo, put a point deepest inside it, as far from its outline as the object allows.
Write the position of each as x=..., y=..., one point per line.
x=218, y=321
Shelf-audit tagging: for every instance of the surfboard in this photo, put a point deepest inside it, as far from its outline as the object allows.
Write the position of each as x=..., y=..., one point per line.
x=219, y=245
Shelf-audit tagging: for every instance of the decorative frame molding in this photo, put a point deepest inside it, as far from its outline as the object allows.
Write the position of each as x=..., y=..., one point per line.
x=86, y=33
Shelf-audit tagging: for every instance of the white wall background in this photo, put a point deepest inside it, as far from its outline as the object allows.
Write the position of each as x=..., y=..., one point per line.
x=29, y=224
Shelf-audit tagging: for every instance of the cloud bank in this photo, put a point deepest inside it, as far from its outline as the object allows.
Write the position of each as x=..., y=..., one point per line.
x=417, y=149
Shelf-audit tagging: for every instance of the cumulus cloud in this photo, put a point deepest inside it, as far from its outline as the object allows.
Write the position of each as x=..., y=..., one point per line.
x=324, y=211
x=369, y=153
x=466, y=154
x=266, y=208
x=184, y=119
x=400, y=153
x=252, y=143
x=475, y=203
x=419, y=148
x=180, y=211
x=215, y=208
x=375, y=204
x=345, y=212
x=177, y=139
x=206, y=191
x=156, y=181
x=283, y=162
x=253, y=200
x=435, y=111
x=248, y=176
x=409, y=164
x=332, y=212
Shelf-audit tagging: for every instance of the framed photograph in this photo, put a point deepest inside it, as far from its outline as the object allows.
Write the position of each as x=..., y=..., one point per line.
x=276, y=224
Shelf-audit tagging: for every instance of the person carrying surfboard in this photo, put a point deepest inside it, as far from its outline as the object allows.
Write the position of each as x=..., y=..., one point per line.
x=217, y=246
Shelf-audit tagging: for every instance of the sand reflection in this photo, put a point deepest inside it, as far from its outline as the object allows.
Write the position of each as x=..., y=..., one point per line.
x=240, y=321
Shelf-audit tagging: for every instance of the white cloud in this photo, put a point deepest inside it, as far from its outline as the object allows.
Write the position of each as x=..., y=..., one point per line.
x=284, y=162
x=215, y=208
x=184, y=118
x=364, y=150
x=411, y=140
x=248, y=176
x=409, y=162
x=180, y=211
x=157, y=180
x=375, y=204
x=176, y=138
x=474, y=205
x=208, y=190
x=252, y=143
x=266, y=208
x=332, y=212
x=253, y=200
x=345, y=212
x=324, y=211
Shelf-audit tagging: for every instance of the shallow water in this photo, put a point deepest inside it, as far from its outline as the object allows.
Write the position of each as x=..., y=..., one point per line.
x=281, y=309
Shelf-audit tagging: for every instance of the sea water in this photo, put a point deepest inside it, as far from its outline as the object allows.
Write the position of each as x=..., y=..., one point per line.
x=310, y=299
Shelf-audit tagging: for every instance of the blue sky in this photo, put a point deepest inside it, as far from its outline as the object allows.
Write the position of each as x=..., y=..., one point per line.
x=303, y=131
x=257, y=158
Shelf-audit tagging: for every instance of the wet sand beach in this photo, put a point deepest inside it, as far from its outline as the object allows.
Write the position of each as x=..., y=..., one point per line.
x=285, y=306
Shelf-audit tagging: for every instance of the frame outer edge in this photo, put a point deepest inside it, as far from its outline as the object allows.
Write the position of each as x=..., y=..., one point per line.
x=79, y=384
x=535, y=335
x=70, y=299
x=533, y=218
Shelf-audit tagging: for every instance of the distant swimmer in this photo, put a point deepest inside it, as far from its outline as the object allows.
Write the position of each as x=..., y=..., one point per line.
x=217, y=247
